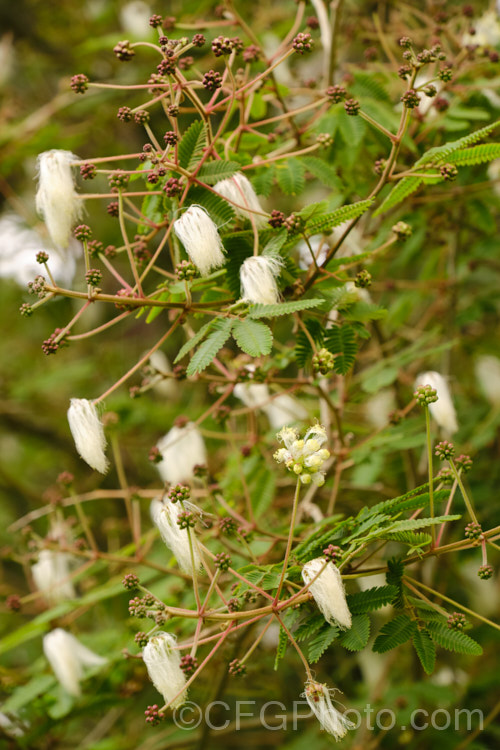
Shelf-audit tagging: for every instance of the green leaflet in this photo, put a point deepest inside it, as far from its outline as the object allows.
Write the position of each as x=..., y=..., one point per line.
x=282, y=308
x=453, y=640
x=198, y=336
x=475, y=155
x=426, y=650
x=366, y=601
x=323, y=171
x=356, y=638
x=341, y=340
x=209, y=348
x=215, y=171
x=291, y=176
x=394, y=633
x=191, y=145
x=252, y=337
x=318, y=645
x=325, y=223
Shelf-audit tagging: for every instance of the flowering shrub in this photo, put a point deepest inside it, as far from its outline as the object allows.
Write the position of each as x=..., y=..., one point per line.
x=223, y=279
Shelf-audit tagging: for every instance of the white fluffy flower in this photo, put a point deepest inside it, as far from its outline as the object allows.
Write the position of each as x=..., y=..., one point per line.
x=200, y=236
x=304, y=457
x=328, y=591
x=182, y=448
x=164, y=386
x=239, y=190
x=258, y=279
x=163, y=663
x=487, y=31
x=67, y=657
x=56, y=199
x=442, y=410
x=487, y=370
x=134, y=18
x=51, y=575
x=320, y=701
x=281, y=410
x=165, y=515
x=88, y=433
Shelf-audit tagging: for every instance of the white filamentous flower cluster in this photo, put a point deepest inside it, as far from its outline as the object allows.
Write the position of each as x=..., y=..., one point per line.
x=56, y=199
x=327, y=591
x=201, y=239
x=67, y=657
x=304, y=457
x=163, y=663
x=165, y=517
x=239, y=190
x=281, y=410
x=332, y=721
x=182, y=448
x=487, y=370
x=442, y=410
x=51, y=575
x=258, y=276
x=88, y=433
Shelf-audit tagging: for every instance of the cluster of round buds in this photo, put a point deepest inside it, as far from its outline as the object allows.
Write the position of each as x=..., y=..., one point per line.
x=125, y=293
x=170, y=138
x=306, y=456
x=186, y=520
x=26, y=310
x=118, y=179
x=237, y=669
x=189, y=665
x=485, y=572
x=332, y=553
x=402, y=230
x=234, y=605
x=137, y=607
x=142, y=116
x=312, y=22
x=113, y=209
x=82, y=232
x=79, y=83
x=65, y=478
x=457, y=621
x=222, y=45
x=430, y=90
x=130, y=581
x=124, y=114
x=155, y=21
x=221, y=414
x=251, y=53
x=172, y=187
x=323, y=361
x=13, y=603
x=54, y=342
x=363, y=279
x=166, y=67
x=212, y=80
x=303, y=43
x=123, y=50
x=405, y=42
x=324, y=139
x=294, y=224
x=425, y=395
x=185, y=270
x=245, y=533
x=42, y=257
x=155, y=455
x=352, y=107
x=198, y=40
x=37, y=286
x=93, y=277
x=464, y=462
x=153, y=715
x=141, y=639
x=449, y=172
x=404, y=72
x=277, y=219
x=379, y=166
x=88, y=171
x=185, y=62
x=473, y=531
x=222, y=561
x=444, y=450
x=227, y=525
x=445, y=74
x=336, y=93
x=445, y=476
x=179, y=493
x=441, y=104
x=410, y=99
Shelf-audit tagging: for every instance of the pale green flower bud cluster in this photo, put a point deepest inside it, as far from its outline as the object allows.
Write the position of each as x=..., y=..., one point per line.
x=304, y=457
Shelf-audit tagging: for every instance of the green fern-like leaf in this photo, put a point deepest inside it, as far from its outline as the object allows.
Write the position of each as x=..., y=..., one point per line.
x=252, y=337
x=309, y=627
x=356, y=638
x=476, y=155
x=371, y=85
x=341, y=340
x=303, y=349
x=402, y=190
x=394, y=577
x=322, y=171
x=214, y=171
x=318, y=645
x=192, y=144
x=198, y=336
x=291, y=177
x=394, y=633
x=367, y=601
x=411, y=524
x=414, y=540
x=262, y=181
x=217, y=338
x=282, y=644
x=426, y=650
x=441, y=154
x=283, y=308
x=453, y=640
x=327, y=222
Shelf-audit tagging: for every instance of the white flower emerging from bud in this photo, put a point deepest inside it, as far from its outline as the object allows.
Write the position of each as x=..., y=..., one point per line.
x=163, y=663
x=67, y=657
x=332, y=721
x=488, y=374
x=258, y=279
x=328, y=591
x=51, y=575
x=239, y=190
x=56, y=199
x=201, y=238
x=165, y=516
x=88, y=433
x=304, y=457
x=442, y=410
x=182, y=448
